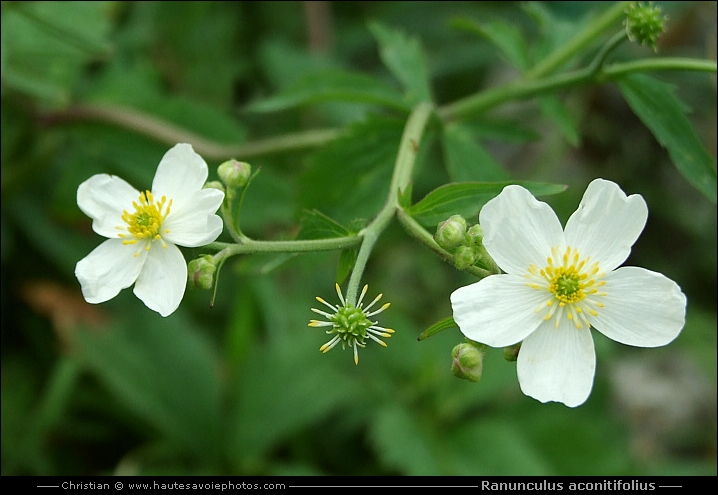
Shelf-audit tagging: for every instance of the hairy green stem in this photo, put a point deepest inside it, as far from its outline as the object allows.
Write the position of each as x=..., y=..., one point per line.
x=568, y=50
x=613, y=71
x=166, y=132
x=249, y=246
x=413, y=228
x=400, y=180
x=524, y=89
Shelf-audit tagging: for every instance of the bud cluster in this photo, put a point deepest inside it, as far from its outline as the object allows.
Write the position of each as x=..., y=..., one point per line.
x=464, y=244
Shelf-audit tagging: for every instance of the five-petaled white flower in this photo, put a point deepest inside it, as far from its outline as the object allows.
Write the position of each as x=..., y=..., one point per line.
x=143, y=229
x=560, y=283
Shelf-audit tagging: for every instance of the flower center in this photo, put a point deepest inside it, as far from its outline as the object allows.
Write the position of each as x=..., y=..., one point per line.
x=566, y=285
x=146, y=221
x=573, y=284
x=351, y=323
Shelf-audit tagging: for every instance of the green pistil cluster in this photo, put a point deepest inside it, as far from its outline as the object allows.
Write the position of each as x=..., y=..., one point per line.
x=644, y=23
x=567, y=287
x=350, y=324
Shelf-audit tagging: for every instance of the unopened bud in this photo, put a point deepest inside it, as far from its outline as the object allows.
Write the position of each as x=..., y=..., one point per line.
x=464, y=257
x=233, y=173
x=200, y=272
x=474, y=235
x=214, y=184
x=450, y=233
x=468, y=361
x=511, y=353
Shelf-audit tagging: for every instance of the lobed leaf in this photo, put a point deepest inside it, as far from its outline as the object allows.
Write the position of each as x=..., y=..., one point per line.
x=656, y=104
x=404, y=58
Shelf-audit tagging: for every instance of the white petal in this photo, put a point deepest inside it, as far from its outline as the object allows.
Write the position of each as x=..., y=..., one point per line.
x=163, y=279
x=108, y=269
x=606, y=224
x=180, y=174
x=519, y=230
x=557, y=364
x=642, y=308
x=103, y=198
x=498, y=311
x=195, y=225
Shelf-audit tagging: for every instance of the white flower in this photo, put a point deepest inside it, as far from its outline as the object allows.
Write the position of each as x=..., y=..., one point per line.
x=144, y=228
x=559, y=283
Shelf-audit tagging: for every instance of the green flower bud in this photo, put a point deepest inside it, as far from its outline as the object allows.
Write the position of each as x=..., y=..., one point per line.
x=464, y=257
x=468, y=361
x=200, y=272
x=644, y=23
x=233, y=173
x=474, y=235
x=214, y=184
x=511, y=353
x=450, y=233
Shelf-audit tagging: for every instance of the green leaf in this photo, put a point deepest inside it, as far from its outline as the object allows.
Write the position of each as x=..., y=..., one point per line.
x=279, y=395
x=404, y=58
x=347, y=260
x=349, y=178
x=656, y=104
x=332, y=85
x=317, y=225
x=466, y=159
x=164, y=373
x=491, y=447
x=46, y=44
x=402, y=442
x=405, y=196
x=467, y=198
x=439, y=326
x=506, y=37
x=556, y=111
x=500, y=130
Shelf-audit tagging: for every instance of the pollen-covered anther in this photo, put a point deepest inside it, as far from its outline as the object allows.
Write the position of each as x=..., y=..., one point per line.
x=571, y=283
x=146, y=221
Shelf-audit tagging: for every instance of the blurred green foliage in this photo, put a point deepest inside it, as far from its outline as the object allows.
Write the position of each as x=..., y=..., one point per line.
x=241, y=388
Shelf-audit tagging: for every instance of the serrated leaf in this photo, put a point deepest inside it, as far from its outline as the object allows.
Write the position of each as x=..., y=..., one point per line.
x=467, y=198
x=45, y=45
x=466, y=160
x=349, y=178
x=317, y=225
x=153, y=366
x=404, y=58
x=656, y=104
x=552, y=108
x=274, y=417
x=332, y=85
x=506, y=37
